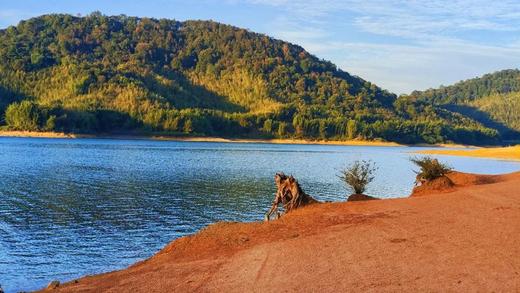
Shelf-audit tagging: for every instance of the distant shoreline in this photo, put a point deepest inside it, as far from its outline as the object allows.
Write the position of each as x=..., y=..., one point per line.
x=502, y=153
x=37, y=134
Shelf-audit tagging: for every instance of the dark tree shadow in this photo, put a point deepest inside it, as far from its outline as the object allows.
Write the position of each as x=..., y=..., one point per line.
x=505, y=131
x=99, y=121
x=8, y=96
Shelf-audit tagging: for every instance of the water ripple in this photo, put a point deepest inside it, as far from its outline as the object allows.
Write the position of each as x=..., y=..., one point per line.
x=75, y=207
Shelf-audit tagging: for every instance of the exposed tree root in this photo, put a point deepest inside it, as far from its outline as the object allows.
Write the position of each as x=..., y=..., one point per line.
x=289, y=194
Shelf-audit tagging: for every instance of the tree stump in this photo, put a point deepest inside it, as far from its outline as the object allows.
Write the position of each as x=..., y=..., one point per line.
x=289, y=194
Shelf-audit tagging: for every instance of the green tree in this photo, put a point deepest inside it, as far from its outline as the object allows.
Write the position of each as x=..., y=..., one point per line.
x=298, y=123
x=50, y=124
x=268, y=125
x=171, y=123
x=188, y=126
x=282, y=129
x=323, y=129
x=22, y=116
x=352, y=129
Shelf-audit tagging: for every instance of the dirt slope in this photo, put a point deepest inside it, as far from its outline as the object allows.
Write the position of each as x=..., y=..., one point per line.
x=466, y=239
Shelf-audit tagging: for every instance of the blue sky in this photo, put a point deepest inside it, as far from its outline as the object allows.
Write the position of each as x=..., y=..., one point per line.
x=399, y=45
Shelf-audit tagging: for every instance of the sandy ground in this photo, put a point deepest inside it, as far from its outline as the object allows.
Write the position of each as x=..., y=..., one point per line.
x=283, y=141
x=462, y=239
x=12, y=133
x=505, y=153
x=9, y=133
x=6, y=133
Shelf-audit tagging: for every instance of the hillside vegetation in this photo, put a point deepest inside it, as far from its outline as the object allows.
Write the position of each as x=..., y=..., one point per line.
x=493, y=100
x=119, y=74
x=502, y=108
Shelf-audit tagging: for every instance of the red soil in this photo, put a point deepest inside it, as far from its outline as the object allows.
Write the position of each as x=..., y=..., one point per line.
x=454, y=179
x=463, y=240
x=439, y=185
x=465, y=179
x=360, y=197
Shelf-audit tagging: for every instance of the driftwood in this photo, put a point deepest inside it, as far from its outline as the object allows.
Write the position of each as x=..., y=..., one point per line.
x=289, y=194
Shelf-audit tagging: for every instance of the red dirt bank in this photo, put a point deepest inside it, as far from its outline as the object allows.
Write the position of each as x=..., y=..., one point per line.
x=462, y=239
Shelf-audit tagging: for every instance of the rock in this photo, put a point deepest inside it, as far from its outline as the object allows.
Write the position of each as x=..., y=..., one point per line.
x=53, y=285
x=360, y=197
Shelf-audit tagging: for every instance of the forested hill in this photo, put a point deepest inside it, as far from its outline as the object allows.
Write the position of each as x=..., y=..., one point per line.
x=119, y=74
x=493, y=100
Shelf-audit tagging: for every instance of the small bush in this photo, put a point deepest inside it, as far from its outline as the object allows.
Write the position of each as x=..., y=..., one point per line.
x=430, y=168
x=358, y=175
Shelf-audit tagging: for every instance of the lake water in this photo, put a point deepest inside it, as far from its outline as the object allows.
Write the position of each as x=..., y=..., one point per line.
x=74, y=207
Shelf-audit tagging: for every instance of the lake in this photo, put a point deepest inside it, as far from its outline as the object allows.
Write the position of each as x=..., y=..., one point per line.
x=71, y=207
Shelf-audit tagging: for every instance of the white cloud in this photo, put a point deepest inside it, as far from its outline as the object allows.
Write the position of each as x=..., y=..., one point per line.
x=404, y=68
x=419, y=16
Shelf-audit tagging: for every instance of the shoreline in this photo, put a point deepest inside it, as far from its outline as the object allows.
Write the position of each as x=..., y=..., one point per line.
x=353, y=246
x=37, y=134
x=511, y=153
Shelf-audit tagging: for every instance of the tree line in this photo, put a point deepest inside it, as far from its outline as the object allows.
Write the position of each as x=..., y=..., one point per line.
x=101, y=74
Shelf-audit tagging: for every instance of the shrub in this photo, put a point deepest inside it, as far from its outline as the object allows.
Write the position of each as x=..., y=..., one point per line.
x=430, y=168
x=22, y=116
x=358, y=175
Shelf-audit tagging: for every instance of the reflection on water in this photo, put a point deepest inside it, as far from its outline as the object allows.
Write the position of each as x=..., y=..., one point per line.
x=75, y=207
